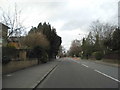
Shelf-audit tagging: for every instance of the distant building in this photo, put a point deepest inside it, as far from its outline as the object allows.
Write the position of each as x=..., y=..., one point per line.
x=14, y=41
x=3, y=34
x=4, y=40
x=119, y=14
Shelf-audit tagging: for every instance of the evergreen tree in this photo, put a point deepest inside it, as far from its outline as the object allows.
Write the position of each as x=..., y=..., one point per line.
x=51, y=35
x=116, y=40
x=97, y=44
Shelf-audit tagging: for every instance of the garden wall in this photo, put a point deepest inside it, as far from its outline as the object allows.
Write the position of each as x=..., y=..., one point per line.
x=17, y=65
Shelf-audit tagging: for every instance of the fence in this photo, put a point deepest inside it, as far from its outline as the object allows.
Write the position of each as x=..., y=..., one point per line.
x=114, y=56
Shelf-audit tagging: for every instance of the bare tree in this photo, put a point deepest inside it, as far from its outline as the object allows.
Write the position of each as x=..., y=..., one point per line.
x=103, y=30
x=103, y=33
x=75, y=48
x=13, y=21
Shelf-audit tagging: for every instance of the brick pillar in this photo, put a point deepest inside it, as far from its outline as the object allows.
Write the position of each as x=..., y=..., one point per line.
x=22, y=55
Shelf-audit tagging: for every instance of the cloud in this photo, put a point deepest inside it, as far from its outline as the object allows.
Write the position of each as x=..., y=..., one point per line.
x=69, y=17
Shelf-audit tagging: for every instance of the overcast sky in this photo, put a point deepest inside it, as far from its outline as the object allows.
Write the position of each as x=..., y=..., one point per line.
x=71, y=18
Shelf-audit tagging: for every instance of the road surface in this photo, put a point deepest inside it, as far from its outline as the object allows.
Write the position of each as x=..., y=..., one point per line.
x=81, y=74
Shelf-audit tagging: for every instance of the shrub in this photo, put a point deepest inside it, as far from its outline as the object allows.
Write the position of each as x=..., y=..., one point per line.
x=41, y=54
x=11, y=46
x=98, y=55
x=8, y=53
x=5, y=60
x=35, y=39
x=44, y=58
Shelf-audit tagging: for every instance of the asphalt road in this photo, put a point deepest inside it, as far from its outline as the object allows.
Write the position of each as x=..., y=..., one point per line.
x=107, y=69
x=81, y=74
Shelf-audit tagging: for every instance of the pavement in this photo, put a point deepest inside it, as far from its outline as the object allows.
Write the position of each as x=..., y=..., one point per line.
x=28, y=77
x=108, y=63
x=0, y=75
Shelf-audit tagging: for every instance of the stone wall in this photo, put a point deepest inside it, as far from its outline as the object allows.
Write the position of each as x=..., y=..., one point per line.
x=17, y=65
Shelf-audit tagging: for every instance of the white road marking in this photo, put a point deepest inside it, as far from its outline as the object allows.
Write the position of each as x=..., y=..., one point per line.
x=107, y=76
x=84, y=65
x=8, y=75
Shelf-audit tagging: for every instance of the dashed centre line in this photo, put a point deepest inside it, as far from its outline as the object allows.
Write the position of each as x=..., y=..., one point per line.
x=107, y=76
x=81, y=64
x=101, y=73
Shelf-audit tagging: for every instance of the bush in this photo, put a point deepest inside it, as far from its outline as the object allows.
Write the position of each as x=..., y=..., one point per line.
x=11, y=46
x=44, y=58
x=8, y=53
x=5, y=60
x=98, y=55
x=41, y=54
x=82, y=57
